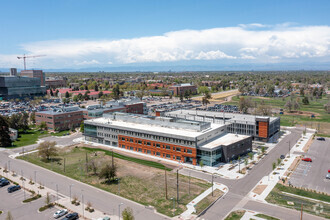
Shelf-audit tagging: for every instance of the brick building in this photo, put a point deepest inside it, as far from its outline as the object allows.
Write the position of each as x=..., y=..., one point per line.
x=180, y=89
x=175, y=139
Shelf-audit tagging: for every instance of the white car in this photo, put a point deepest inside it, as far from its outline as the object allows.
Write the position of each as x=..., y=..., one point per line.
x=60, y=213
x=327, y=176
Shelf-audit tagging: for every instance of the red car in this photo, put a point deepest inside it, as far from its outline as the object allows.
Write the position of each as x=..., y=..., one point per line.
x=307, y=159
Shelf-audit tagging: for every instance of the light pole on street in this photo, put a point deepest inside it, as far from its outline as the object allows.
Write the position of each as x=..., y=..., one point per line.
x=289, y=148
x=82, y=203
x=70, y=190
x=119, y=210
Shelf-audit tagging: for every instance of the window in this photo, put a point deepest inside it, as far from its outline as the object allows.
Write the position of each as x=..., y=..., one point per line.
x=148, y=152
x=140, y=149
x=122, y=138
x=178, y=158
x=139, y=142
x=131, y=148
x=123, y=146
x=157, y=154
x=148, y=143
x=168, y=156
x=189, y=151
x=168, y=147
x=131, y=140
x=178, y=149
x=158, y=145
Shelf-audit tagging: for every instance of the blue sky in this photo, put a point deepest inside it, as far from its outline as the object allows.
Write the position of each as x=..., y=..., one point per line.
x=81, y=33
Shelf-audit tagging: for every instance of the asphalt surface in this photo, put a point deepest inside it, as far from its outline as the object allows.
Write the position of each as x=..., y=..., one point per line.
x=238, y=189
x=21, y=211
x=108, y=203
x=311, y=175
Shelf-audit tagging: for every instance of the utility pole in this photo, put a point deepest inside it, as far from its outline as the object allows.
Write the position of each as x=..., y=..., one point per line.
x=177, y=186
x=165, y=183
x=86, y=163
x=301, y=212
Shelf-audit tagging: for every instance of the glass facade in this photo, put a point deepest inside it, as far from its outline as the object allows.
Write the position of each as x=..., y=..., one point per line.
x=90, y=130
x=210, y=158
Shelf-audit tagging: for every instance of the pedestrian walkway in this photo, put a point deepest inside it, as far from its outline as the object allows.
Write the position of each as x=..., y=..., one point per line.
x=269, y=182
x=191, y=205
x=251, y=215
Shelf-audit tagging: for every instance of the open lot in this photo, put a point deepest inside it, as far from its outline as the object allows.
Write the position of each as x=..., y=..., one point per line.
x=312, y=175
x=137, y=182
x=21, y=211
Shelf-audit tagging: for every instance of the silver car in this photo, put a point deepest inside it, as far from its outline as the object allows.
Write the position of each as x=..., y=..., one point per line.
x=327, y=176
x=60, y=213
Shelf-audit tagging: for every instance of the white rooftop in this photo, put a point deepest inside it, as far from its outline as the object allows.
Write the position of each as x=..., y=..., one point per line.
x=224, y=140
x=147, y=128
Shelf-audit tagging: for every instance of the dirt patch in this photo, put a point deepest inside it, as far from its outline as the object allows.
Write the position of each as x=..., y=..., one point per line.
x=259, y=189
x=293, y=166
x=307, y=145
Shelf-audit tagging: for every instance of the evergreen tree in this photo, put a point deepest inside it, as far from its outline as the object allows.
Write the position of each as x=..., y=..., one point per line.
x=5, y=140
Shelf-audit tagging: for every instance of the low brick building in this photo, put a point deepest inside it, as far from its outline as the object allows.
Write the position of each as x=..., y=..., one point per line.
x=180, y=89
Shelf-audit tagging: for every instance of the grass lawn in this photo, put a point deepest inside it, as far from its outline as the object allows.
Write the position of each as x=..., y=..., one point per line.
x=61, y=133
x=316, y=208
x=29, y=137
x=141, y=183
x=204, y=203
x=235, y=215
x=266, y=217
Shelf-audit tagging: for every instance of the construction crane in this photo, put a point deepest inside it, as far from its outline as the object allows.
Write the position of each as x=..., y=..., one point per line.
x=24, y=57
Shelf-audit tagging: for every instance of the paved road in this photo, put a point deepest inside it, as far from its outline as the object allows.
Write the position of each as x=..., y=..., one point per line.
x=238, y=189
x=312, y=175
x=21, y=211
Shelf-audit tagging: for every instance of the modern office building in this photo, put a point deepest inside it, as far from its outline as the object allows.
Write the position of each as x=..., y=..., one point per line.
x=262, y=128
x=180, y=89
x=12, y=87
x=34, y=74
x=176, y=139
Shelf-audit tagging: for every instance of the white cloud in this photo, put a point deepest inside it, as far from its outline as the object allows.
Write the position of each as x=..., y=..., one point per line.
x=257, y=42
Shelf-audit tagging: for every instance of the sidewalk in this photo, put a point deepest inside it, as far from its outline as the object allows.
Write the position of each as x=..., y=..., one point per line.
x=191, y=205
x=269, y=182
x=62, y=199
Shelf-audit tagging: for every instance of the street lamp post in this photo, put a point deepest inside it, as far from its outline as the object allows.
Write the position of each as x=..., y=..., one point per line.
x=119, y=210
x=82, y=203
x=289, y=148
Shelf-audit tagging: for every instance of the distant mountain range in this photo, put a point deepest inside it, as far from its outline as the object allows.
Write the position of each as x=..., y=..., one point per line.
x=180, y=68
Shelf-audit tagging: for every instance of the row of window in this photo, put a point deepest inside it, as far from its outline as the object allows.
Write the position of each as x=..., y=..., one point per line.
x=167, y=147
x=155, y=153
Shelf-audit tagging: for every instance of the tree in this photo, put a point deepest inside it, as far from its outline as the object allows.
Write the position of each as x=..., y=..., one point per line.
x=33, y=117
x=201, y=163
x=116, y=92
x=246, y=162
x=108, y=172
x=263, y=150
x=264, y=109
x=14, y=120
x=43, y=125
x=244, y=104
x=67, y=95
x=5, y=140
x=93, y=166
x=279, y=161
x=127, y=214
x=305, y=100
x=187, y=94
x=274, y=165
x=24, y=121
x=47, y=199
x=51, y=92
x=251, y=155
x=206, y=97
x=181, y=97
x=82, y=127
x=47, y=149
x=100, y=94
x=56, y=92
x=96, y=88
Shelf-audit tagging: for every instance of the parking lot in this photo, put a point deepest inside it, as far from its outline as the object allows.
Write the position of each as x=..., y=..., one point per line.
x=13, y=202
x=311, y=175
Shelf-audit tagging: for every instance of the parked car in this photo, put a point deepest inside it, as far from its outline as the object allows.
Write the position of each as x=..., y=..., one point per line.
x=4, y=183
x=13, y=188
x=60, y=213
x=282, y=157
x=320, y=139
x=307, y=159
x=327, y=176
x=71, y=216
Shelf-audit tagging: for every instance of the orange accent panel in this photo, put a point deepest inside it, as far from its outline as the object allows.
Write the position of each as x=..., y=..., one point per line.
x=263, y=129
x=162, y=149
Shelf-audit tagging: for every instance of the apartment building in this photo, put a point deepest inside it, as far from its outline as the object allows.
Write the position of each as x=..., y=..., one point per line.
x=175, y=139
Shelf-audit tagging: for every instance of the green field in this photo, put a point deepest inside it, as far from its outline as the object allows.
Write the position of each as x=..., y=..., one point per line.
x=29, y=137
x=139, y=180
x=316, y=106
x=235, y=215
x=321, y=209
x=266, y=217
